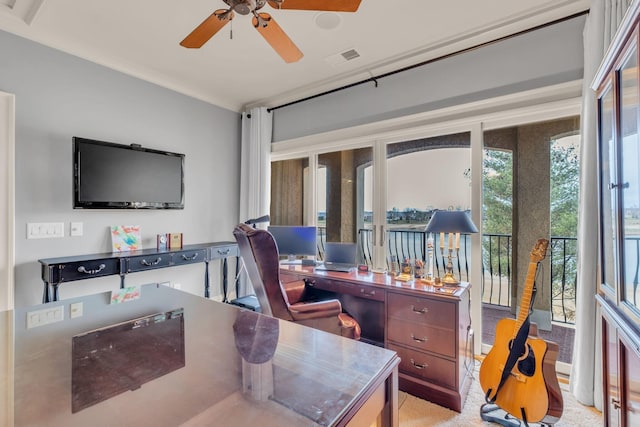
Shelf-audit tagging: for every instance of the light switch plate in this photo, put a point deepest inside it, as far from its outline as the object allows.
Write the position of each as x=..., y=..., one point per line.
x=45, y=230
x=45, y=316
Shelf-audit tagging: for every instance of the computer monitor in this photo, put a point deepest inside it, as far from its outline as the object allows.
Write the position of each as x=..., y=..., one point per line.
x=294, y=241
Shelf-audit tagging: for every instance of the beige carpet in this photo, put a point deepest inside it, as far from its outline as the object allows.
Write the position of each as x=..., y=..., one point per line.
x=415, y=412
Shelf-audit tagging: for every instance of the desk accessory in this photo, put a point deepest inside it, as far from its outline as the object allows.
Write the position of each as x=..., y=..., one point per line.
x=175, y=241
x=451, y=222
x=125, y=238
x=162, y=242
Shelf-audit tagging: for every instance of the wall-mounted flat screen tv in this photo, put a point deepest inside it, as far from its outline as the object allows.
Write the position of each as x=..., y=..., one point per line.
x=116, y=176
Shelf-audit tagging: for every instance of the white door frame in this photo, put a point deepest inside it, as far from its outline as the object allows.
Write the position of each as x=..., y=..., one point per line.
x=7, y=197
x=7, y=253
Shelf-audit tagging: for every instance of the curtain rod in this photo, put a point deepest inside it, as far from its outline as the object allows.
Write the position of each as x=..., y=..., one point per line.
x=375, y=79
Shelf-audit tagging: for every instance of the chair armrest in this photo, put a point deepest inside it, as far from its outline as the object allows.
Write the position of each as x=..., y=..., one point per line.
x=315, y=310
x=294, y=291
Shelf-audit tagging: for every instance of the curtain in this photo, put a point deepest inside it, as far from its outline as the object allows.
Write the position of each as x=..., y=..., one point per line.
x=586, y=372
x=255, y=166
x=255, y=169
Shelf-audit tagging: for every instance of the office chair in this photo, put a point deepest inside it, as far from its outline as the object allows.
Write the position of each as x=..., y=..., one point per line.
x=287, y=301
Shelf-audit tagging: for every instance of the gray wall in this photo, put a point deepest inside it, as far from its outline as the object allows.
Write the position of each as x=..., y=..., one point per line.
x=544, y=57
x=59, y=96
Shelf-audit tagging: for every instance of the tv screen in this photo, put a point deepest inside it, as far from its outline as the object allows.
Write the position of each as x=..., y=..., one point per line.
x=116, y=176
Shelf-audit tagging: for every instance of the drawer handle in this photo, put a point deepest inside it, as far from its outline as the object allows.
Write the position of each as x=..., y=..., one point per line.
x=149, y=264
x=101, y=267
x=224, y=252
x=416, y=339
x=190, y=258
x=421, y=311
x=369, y=294
x=418, y=366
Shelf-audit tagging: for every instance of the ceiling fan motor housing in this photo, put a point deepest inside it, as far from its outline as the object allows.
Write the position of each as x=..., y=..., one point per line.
x=245, y=7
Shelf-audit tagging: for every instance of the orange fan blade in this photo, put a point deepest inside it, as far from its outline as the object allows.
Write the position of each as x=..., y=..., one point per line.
x=207, y=29
x=277, y=38
x=328, y=5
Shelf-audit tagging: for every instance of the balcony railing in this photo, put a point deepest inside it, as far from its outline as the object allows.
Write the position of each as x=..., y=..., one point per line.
x=411, y=244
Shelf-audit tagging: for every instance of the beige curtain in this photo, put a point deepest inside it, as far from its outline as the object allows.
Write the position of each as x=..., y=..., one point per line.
x=586, y=373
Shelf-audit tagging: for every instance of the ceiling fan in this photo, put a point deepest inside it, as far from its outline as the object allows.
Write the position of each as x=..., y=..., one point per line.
x=263, y=22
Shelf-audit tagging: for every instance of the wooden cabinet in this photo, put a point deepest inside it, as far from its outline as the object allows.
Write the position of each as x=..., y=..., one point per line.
x=617, y=85
x=433, y=337
x=621, y=363
x=428, y=328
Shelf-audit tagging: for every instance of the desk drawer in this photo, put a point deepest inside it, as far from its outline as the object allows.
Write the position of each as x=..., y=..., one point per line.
x=349, y=288
x=148, y=262
x=423, y=310
x=422, y=336
x=219, y=252
x=87, y=269
x=189, y=257
x=427, y=367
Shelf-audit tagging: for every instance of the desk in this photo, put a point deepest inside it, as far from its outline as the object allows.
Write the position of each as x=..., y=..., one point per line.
x=67, y=269
x=429, y=327
x=309, y=378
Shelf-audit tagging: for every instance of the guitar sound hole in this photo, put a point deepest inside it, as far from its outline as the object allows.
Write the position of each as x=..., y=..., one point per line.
x=527, y=366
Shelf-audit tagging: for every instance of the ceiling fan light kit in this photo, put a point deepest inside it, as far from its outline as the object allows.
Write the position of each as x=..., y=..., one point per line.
x=264, y=23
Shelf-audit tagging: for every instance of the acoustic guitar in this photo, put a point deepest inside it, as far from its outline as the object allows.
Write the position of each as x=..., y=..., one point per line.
x=519, y=374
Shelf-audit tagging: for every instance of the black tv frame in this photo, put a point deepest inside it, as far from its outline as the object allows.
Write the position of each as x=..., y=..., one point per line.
x=79, y=203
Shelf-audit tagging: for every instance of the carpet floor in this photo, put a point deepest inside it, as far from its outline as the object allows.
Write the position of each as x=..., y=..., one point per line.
x=415, y=412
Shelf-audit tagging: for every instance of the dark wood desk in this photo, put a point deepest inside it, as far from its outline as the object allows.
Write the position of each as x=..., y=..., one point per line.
x=429, y=327
x=308, y=378
x=67, y=269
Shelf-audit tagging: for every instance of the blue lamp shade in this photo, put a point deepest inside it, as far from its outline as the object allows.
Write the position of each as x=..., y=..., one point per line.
x=451, y=222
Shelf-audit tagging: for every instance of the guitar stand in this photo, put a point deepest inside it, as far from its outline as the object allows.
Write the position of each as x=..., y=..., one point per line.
x=494, y=414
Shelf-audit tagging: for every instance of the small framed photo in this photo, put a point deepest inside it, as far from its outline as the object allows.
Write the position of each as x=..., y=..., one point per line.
x=162, y=242
x=175, y=241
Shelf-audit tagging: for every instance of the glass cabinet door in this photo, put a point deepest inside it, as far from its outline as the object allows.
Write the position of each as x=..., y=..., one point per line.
x=608, y=197
x=629, y=183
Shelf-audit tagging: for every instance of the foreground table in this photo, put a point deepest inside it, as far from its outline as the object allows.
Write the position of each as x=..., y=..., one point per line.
x=207, y=363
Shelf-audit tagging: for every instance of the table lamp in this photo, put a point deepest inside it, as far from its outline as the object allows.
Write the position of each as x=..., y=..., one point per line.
x=453, y=223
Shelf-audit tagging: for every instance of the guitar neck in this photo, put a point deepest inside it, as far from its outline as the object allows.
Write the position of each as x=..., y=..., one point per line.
x=527, y=294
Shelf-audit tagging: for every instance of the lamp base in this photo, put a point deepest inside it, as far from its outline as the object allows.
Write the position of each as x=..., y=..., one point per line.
x=449, y=280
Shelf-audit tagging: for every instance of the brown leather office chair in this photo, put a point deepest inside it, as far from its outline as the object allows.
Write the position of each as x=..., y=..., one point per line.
x=289, y=302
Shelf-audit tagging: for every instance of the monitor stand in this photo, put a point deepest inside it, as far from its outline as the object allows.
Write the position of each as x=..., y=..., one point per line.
x=292, y=260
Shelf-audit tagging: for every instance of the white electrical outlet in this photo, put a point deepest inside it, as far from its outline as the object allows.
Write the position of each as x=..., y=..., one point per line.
x=75, y=310
x=75, y=229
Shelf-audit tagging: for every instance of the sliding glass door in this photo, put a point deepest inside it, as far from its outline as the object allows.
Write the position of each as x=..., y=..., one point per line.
x=425, y=175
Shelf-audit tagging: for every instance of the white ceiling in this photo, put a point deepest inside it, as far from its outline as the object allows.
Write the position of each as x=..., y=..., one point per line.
x=141, y=38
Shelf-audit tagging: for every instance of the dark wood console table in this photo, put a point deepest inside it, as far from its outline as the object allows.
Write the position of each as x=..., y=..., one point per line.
x=429, y=327
x=68, y=269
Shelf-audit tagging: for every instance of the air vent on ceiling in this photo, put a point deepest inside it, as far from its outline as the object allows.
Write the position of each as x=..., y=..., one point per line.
x=343, y=57
x=350, y=54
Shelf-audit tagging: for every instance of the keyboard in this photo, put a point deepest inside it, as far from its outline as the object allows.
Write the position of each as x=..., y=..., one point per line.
x=336, y=266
